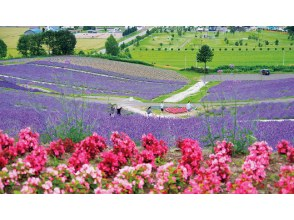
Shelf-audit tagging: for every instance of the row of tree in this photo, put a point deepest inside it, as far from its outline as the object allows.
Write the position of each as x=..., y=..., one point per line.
x=60, y=42
x=129, y=31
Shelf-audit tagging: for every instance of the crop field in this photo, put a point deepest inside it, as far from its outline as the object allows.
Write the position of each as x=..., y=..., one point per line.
x=78, y=79
x=89, y=44
x=180, y=52
x=10, y=36
x=73, y=124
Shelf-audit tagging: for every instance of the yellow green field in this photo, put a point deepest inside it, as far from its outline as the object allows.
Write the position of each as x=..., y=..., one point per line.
x=10, y=36
x=89, y=44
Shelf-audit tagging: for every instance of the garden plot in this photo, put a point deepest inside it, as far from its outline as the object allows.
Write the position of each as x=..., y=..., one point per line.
x=20, y=109
x=251, y=90
x=90, y=83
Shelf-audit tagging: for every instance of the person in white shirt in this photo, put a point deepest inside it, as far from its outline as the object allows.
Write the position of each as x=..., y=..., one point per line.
x=162, y=107
x=189, y=106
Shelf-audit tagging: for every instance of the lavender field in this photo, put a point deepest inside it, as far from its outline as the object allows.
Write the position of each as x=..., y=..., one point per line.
x=251, y=90
x=19, y=109
x=279, y=110
x=97, y=81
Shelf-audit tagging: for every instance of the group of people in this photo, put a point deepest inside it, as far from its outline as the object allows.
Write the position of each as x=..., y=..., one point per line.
x=114, y=108
x=149, y=109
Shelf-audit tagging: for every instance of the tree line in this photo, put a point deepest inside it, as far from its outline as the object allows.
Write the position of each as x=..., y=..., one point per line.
x=60, y=42
x=129, y=31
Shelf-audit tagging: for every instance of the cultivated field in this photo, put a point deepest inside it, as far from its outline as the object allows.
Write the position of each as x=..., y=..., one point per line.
x=160, y=49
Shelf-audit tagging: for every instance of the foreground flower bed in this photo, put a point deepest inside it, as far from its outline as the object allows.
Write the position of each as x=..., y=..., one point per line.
x=91, y=166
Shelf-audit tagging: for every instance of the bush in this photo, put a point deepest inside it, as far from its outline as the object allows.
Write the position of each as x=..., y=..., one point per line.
x=226, y=49
x=3, y=49
x=232, y=48
x=220, y=49
x=239, y=48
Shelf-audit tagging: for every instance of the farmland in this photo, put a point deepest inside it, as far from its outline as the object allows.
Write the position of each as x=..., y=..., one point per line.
x=61, y=130
x=180, y=51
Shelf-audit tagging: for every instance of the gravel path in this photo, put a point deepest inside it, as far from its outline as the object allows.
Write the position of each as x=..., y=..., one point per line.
x=225, y=77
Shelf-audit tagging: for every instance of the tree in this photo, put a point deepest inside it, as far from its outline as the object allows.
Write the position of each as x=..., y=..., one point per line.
x=49, y=40
x=111, y=46
x=232, y=29
x=290, y=30
x=35, y=45
x=23, y=45
x=3, y=49
x=64, y=43
x=204, y=55
x=276, y=42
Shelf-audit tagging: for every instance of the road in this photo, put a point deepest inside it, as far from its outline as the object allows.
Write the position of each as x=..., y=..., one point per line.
x=142, y=32
x=248, y=76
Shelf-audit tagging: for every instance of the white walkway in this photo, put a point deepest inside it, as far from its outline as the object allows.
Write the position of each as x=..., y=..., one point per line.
x=182, y=95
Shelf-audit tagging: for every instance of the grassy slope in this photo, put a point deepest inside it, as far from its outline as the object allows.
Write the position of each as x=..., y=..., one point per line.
x=182, y=58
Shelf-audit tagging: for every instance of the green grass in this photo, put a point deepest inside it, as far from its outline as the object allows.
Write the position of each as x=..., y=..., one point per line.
x=201, y=93
x=186, y=59
x=249, y=54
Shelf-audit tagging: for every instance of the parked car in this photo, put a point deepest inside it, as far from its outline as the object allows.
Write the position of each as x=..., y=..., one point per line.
x=265, y=72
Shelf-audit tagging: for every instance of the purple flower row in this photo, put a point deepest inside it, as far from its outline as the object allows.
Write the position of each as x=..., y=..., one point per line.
x=103, y=72
x=254, y=90
x=103, y=84
x=20, y=109
x=277, y=110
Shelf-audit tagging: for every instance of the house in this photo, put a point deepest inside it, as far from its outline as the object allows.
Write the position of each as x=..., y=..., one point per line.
x=33, y=31
x=212, y=28
x=52, y=28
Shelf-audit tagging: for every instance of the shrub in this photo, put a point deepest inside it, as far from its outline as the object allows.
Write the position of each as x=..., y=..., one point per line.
x=170, y=179
x=78, y=159
x=286, y=181
x=191, y=155
x=206, y=182
x=93, y=145
x=56, y=149
x=37, y=159
x=157, y=147
x=283, y=147
x=27, y=142
x=110, y=163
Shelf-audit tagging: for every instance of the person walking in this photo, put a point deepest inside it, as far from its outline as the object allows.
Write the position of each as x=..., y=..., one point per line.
x=149, y=111
x=162, y=107
x=112, y=110
x=118, y=110
x=189, y=106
